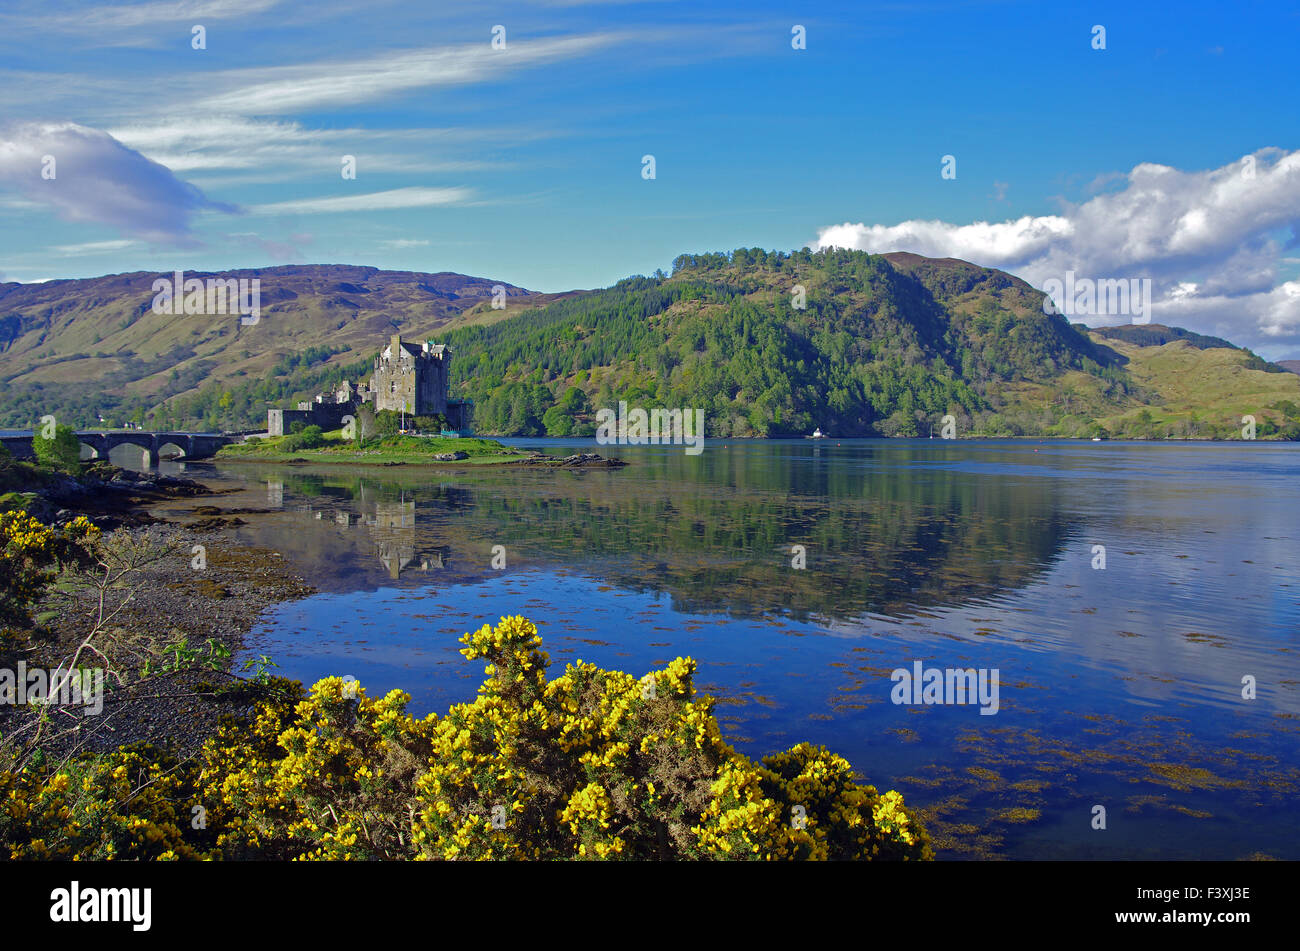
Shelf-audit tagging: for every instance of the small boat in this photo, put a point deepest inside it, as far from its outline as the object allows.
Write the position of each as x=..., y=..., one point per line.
x=817, y=434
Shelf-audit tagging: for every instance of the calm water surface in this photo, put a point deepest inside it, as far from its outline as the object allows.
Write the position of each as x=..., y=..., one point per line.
x=1119, y=686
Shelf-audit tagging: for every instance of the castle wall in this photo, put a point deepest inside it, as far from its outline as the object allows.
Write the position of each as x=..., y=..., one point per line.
x=431, y=396
x=460, y=416
x=395, y=387
x=279, y=422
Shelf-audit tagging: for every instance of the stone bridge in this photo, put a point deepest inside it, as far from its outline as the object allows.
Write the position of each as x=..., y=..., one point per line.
x=152, y=446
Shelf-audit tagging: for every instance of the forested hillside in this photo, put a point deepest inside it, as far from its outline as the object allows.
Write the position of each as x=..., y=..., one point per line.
x=766, y=343
x=882, y=345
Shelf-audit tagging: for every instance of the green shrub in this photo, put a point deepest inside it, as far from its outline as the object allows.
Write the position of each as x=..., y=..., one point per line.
x=312, y=437
x=129, y=804
x=388, y=422
x=62, y=451
x=427, y=424
x=30, y=555
x=309, y=437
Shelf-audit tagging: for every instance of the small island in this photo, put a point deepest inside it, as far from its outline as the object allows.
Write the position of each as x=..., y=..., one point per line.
x=311, y=444
x=404, y=415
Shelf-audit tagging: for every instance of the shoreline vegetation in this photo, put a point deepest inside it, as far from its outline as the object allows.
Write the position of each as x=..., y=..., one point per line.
x=184, y=758
x=313, y=445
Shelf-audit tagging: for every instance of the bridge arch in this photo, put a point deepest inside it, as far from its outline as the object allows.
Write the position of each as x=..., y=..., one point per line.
x=173, y=447
x=121, y=446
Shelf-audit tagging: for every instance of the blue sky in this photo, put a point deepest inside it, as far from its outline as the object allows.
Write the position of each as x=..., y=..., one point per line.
x=524, y=164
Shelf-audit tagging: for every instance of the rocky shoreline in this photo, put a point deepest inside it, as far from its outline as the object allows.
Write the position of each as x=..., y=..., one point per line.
x=202, y=591
x=206, y=603
x=583, y=460
x=108, y=496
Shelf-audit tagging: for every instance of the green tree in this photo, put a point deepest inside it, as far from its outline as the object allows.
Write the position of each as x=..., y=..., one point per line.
x=366, y=426
x=557, y=421
x=430, y=424
x=62, y=451
x=387, y=422
x=311, y=437
x=225, y=403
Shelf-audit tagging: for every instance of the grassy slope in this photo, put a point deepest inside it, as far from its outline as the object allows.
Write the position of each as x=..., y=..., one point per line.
x=1184, y=391
x=103, y=330
x=1213, y=388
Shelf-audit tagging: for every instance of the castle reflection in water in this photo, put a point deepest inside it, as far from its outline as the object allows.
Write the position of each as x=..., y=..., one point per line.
x=392, y=527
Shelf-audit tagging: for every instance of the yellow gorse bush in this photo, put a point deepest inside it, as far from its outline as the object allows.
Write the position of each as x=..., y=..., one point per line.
x=120, y=806
x=29, y=554
x=593, y=764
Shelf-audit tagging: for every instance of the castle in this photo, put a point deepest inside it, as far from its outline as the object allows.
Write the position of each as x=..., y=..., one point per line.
x=408, y=378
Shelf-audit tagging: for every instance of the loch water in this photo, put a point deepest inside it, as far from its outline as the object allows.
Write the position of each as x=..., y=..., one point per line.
x=1127, y=594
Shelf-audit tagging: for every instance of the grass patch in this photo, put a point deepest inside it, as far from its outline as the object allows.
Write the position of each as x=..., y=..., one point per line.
x=387, y=450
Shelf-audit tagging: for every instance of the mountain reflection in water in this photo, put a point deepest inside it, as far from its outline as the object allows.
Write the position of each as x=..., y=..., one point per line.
x=1120, y=687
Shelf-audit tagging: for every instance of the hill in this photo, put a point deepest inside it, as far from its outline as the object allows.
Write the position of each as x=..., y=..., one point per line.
x=882, y=345
x=870, y=345
x=1157, y=335
x=1193, y=389
x=57, y=336
x=766, y=343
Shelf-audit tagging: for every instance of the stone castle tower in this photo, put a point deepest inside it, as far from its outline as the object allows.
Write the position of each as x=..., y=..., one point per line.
x=416, y=379
x=412, y=378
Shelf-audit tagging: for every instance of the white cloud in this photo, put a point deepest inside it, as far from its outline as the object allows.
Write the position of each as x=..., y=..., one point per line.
x=262, y=150
x=991, y=243
x=405, y=243
x=96, y=247
x=392, y=199
x=1211, y=241
x=277, y=90
x=1283, y=316
x=97, y=179
x=131, y=16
